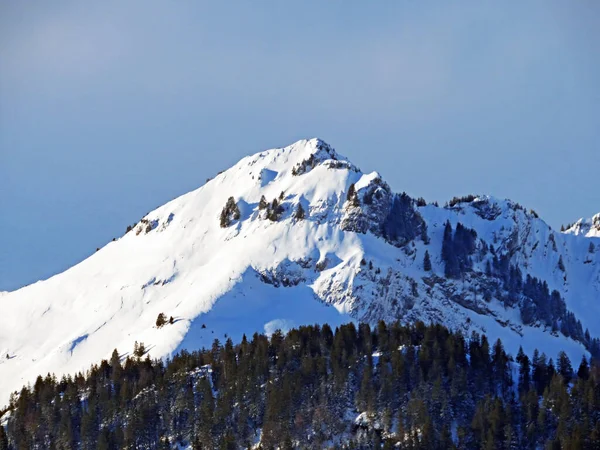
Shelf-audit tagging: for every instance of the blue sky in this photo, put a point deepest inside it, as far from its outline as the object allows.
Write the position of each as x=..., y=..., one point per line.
x=109, y=109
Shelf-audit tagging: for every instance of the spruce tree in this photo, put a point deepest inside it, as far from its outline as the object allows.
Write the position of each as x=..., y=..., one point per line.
x=115, y=360
x=501, y=369
x=447, y=241
x=139, y=349
x=561, y=264
x=452, y=268
x=524, y=371
x=583, y=372
x=224, y=219
x=299, y=213
x=539, y=371
x=426, y=262
x=229, y=212
x=274, y=210
x=262, y=204
x=161, y=320
x=564, y=367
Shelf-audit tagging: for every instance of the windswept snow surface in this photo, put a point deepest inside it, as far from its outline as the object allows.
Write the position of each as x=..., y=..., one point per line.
x=258, y=276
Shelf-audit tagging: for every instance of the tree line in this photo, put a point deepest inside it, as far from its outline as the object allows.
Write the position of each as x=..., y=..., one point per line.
x=415, y=387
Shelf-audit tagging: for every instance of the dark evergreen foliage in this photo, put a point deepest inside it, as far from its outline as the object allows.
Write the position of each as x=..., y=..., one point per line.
x=161, y=320
x=403, y=223
x=561, y=264
x=536, y=302
x=464, y=199
x=139, y=349
x=300, y=390
x=299, y=213
x=262, y=204
x=3, y=439
x=427, y=262
x=304, y=166
x=274, y=210
x=457, y=249
x=352, y=196
x=420, y=202
x=230, y=212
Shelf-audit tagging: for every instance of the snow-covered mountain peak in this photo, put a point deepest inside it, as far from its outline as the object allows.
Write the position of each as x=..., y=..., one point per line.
x=299, y=235
x=298, y=157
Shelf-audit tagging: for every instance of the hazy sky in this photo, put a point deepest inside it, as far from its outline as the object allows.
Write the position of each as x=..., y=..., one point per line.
x=109, y=109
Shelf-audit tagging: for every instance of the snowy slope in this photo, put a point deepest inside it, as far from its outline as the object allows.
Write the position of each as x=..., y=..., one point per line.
x=257, y=275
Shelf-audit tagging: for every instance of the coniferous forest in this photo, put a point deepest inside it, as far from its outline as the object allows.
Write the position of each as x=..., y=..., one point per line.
x=412, y=387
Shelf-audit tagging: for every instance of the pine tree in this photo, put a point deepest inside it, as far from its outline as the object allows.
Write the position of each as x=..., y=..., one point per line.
x=139, y=349
x=452, y=269
x=426, y=262
x=262, y=204
x=116, y=372
x=224, y=219
x=366, y=396
x=501, y=370
x=274, y=211
x=539, y=371
x=524, y=371
x=161, y=320
x=561, y=264
x=564, y=367
x=230, y=212
x=583, y=372
x=115, y=360
x=204, y=423
x=299, y=214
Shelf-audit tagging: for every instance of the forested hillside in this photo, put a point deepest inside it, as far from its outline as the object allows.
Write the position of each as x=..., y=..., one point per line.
x=395, y=386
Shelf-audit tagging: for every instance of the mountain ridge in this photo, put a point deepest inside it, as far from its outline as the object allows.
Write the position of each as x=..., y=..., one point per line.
x=585, y=227
x=354, y=256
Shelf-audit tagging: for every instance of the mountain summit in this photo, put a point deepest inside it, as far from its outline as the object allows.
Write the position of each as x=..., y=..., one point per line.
x=299, y=235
